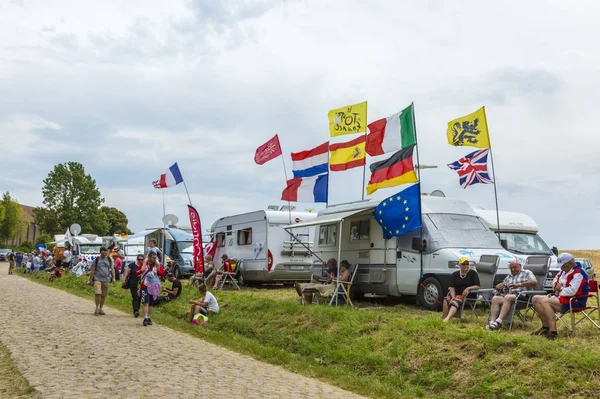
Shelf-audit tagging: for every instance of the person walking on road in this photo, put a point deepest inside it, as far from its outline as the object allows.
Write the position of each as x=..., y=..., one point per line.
x=131, y=281
x=11, y=262
x=150, y=274
x=101, y=275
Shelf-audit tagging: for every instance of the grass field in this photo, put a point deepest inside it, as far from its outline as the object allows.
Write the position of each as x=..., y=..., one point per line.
x=12, y=383
x=387, y=350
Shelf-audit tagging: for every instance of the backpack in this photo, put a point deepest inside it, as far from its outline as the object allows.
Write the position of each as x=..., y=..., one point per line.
x=95, y=262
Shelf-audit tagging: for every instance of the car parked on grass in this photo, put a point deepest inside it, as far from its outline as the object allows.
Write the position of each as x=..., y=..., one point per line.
x=4, y=254
x=587, y=266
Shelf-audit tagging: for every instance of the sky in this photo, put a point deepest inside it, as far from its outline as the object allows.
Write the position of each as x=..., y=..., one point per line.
x=129, y=88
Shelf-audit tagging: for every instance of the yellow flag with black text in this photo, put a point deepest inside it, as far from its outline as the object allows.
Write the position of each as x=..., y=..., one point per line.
x=348, y=120
x=469, y=130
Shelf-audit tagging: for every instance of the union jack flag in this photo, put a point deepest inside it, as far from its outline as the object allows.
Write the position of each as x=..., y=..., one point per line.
x=472, y=168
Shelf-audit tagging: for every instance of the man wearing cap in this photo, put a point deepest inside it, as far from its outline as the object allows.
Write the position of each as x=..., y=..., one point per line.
x=518, y=280
x=571, y=281
x=462, y=282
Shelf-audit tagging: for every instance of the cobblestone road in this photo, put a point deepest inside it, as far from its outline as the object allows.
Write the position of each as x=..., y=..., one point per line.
x=67, y=352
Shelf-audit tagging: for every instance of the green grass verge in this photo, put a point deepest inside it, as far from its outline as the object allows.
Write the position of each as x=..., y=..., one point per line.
x=385, y=352
x=12, y=383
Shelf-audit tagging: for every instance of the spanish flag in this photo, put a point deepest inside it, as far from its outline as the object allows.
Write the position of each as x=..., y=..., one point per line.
x=396, y=170
x=348, y=120
x=344, y=156
x=470, y=130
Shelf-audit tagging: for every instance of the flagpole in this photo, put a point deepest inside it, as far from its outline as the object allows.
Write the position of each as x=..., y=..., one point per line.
x=365, y=165
x=419, y=183
x=494, y=173
x=286, y=179
x=328, y=172
x=162, y=190
x=187, y=192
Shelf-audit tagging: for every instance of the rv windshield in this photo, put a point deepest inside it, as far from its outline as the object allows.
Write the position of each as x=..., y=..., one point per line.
x=186, y=247
x=458, y=231
x=90, y=249
x=523, y=243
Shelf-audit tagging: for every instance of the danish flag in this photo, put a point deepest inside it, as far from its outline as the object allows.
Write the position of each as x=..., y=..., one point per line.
x=472, y=168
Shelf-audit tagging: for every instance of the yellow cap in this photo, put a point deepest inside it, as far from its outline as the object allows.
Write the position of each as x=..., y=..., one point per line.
x=463, y=260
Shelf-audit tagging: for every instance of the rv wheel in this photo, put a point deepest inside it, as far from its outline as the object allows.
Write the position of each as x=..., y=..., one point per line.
x=241, y=281
x=431, y=294
x=177, y=273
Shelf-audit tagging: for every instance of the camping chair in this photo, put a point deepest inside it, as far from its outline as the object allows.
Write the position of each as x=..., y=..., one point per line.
x=230, y=276
x=585, y=311
x=486, y=268
x=538, y=265
x=343, y=289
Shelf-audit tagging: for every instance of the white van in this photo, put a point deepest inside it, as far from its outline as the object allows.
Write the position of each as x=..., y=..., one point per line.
x=519, y=235
x=398, y=266
x=265, y=252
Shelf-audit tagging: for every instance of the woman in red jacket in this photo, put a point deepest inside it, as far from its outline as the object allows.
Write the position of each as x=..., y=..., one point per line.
x=149, y=275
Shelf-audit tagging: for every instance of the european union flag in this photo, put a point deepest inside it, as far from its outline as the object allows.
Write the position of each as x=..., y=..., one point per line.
x=400, y=213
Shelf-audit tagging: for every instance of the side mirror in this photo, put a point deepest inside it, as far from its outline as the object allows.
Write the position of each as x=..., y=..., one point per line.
x=504, y=244
x=555, y=251
x=419, y=244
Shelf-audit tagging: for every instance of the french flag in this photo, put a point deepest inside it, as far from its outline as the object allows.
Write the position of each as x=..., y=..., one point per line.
x=312, y=162
x=308, y=189
x=169, y=179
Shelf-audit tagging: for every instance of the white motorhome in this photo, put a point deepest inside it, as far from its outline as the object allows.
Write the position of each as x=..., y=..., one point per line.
x=519, y=235
x=265, y=252
x=399, y=266
x=87, y=246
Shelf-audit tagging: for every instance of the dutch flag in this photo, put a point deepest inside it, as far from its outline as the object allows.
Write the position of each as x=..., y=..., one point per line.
x=312, y=162
x=169, y=179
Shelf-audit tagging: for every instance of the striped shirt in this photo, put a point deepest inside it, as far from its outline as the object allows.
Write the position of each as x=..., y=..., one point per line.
x=521, y=277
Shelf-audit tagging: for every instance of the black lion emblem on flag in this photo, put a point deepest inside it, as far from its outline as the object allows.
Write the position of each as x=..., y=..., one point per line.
x=465, y=133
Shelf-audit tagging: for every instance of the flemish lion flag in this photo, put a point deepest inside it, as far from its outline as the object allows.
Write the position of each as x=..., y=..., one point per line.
x=348, y=155
x=348, y=120
x=469, y=130
x=397, y=169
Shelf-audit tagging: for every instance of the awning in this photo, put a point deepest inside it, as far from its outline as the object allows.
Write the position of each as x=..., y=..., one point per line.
x=327, y=219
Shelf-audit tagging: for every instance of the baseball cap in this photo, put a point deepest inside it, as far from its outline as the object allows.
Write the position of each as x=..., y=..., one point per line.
x=564, y=258
x=463, y=260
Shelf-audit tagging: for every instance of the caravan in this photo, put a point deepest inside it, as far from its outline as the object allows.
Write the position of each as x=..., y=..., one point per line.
x=265, y=252
x=519, y=235
x=410, y=264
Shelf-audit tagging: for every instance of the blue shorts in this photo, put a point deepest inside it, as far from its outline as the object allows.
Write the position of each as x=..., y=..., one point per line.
x=576, y=304
x=147, y=299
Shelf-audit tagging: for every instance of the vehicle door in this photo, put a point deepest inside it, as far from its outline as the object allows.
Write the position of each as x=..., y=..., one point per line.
x=408, y=264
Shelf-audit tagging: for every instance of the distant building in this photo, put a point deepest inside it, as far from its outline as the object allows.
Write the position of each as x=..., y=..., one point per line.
x=29, y=231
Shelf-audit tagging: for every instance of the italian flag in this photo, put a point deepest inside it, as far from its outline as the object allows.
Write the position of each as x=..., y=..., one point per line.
x=392, y=133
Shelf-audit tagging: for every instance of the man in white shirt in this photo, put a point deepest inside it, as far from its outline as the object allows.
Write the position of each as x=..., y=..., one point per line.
x=67, y=259
x=208, y=303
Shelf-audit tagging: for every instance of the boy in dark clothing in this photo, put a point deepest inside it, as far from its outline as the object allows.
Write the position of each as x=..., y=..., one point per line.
x=172, y=293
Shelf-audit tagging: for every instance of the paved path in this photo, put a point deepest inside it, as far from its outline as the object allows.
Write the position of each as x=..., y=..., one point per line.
x=67, y=352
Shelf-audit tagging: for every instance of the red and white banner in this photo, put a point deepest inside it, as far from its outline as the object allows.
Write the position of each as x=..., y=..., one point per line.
x=269, y=150
x=197, y=232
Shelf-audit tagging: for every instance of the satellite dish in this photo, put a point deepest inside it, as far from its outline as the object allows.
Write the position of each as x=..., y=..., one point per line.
x=75, y=229
x=438, y=193
x=170, y=220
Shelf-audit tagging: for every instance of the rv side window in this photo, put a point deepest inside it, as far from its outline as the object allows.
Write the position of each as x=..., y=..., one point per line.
x=229, y=230
x=359, y=230
x=220, y=239
x=244, y=236
x=327, y=234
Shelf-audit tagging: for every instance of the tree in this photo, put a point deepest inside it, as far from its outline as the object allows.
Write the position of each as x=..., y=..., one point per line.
x=44, y=239
x=71, y=196
x=9, y=227
x=117, y=220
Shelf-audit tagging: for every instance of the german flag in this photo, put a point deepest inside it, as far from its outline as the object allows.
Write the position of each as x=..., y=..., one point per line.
x=396, y=170
x=348, y=155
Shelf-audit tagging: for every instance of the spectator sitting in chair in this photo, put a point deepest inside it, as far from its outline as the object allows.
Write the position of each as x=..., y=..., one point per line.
x=462, y=282
x=207, y=303
x=225, y=268
x=571, y=281
x=172, y=293
x=328, y=275
x=325, y=289
x=518, y=280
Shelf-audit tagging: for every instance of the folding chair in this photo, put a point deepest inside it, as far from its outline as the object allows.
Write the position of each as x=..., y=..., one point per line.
x=585, y=311
x=343, y=289
x=486, y=268
x=230, y=276
x=538, y=265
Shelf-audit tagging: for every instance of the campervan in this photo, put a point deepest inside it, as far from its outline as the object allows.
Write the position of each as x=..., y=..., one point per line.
x=176, y=245
x=412, y=264
x=87, y=246
x=265, y=252
x=519, y=235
